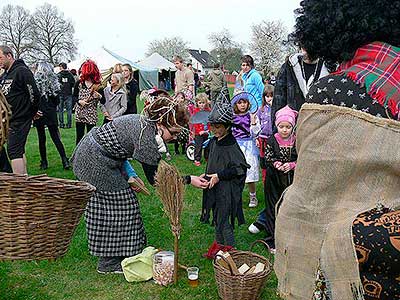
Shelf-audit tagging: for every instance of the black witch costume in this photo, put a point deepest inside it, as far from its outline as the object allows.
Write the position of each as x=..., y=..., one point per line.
x=276, y=181
x=225, y=198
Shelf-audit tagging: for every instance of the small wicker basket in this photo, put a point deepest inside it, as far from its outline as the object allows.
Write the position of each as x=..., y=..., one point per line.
x=38, y=215
x=243, y=287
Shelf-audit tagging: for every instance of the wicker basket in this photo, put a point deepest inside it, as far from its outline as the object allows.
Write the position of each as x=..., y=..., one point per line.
x=38, y=215
x=242, y=287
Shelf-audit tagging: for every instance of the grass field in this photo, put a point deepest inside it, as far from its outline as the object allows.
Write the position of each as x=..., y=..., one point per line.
x=74, y=276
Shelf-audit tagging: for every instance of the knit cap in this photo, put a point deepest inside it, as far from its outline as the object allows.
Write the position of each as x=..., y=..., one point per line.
x=286, y=114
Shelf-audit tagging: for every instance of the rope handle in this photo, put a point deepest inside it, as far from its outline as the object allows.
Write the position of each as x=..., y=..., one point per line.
x=270, y=255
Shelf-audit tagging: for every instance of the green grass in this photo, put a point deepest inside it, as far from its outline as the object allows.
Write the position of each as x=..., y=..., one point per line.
x=74, y=276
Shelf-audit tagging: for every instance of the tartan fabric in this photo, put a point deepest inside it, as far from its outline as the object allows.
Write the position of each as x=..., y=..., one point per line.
x=107, y=137
x=377, y=67
x=114, y=224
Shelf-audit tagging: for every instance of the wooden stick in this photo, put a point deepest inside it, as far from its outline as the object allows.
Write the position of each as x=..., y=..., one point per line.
x=176, y=254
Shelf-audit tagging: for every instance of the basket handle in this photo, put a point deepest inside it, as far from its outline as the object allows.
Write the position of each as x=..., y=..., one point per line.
x=270, y=255
x=224, y=259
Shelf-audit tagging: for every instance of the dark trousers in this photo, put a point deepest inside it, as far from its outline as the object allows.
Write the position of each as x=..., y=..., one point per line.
x=65, y=102
x=80, y=130
x=55, y=136
x=176, y=146
x=5, y=165
x=198, y=146
x=224, y=234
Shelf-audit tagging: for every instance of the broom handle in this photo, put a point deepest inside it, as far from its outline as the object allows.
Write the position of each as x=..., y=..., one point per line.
x=176, y=250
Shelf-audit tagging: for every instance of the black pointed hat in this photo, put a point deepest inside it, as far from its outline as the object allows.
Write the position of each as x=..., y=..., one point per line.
x=221, y=113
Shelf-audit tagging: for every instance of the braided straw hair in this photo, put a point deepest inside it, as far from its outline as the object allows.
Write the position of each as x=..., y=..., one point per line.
x=166, y=111
x=5, y=114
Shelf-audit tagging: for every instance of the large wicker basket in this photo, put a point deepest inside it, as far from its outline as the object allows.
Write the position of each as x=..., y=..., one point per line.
x=242, y=287
x=38, y=215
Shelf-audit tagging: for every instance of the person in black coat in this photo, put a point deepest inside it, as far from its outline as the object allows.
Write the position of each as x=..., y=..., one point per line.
x=132, y=88
x=294, y=80
x=49, y=87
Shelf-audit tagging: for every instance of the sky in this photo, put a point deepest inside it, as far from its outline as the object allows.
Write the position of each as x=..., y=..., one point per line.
x=127, y=27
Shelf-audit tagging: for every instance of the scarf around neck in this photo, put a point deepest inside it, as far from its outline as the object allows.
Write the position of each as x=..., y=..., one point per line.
x=376, y=66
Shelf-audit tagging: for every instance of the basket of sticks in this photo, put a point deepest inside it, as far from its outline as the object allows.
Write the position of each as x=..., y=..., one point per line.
x=236, y=282
x=5, y=114
x=38, y=215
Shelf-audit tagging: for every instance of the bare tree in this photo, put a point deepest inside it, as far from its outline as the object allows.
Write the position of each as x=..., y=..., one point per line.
x=268, y=45
x=169, y=47
x=15, y=29
x=226, y=50
x=53, y=34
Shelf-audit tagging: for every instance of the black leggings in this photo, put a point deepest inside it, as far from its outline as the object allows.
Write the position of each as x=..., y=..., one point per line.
x=224, y=234
x=80, y=130
x=55, y=136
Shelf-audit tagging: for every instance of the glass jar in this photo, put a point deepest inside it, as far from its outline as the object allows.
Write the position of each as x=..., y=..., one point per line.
x=163, y=267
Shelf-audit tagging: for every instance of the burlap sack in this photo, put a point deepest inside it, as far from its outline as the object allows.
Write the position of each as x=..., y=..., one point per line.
x=348, y=162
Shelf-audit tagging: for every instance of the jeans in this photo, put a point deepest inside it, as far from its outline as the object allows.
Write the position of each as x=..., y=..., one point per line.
x=262, y=218
x=65, y=101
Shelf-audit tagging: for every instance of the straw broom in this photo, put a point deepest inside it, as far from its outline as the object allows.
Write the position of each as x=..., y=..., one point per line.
x=170, y=188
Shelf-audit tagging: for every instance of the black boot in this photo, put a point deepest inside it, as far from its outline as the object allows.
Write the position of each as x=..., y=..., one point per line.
x=65, y=162
x=43, y=165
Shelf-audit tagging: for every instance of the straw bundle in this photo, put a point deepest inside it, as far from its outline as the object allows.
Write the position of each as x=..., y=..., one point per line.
x=170, y=188
x=5, y=114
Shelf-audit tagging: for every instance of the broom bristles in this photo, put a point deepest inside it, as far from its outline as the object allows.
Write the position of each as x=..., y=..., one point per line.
x=170, y=188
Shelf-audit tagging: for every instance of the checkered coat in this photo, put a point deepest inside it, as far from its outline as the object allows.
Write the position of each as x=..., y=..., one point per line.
x=113, y=221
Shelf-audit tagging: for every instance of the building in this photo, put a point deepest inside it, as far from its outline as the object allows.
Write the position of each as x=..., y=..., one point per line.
x=201, y=60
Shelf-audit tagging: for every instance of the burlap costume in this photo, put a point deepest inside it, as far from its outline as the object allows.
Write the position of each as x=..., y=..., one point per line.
x=348, y=162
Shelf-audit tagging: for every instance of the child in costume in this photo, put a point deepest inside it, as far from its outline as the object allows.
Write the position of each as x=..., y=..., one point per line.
x=280, y=162
x=264, y=116
x=199, y=126
x=226, y=170
x=245, y=130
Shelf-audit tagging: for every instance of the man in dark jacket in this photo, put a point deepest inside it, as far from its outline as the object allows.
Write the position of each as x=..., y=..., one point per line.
x=294, y=80
x=67, y=82
x=18, y=86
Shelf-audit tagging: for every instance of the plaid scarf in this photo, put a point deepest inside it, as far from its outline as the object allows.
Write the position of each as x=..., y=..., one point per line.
x=377, y=67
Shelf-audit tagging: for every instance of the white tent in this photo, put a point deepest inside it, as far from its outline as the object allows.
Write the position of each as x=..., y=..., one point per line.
x=156, y=61
x=106, y=59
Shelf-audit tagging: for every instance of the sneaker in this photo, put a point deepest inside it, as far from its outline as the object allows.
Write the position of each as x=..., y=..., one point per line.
x=253, y=202
x=168, y=157
x=253, y=229
x=197, y=163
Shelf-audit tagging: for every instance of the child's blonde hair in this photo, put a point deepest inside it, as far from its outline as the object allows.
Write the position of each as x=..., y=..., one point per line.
x=202, y=97
x=120, y=79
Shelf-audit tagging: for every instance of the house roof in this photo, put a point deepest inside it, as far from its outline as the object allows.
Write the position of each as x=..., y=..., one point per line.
x=202, y=57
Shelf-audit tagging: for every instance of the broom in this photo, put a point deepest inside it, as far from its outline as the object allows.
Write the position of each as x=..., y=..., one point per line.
x=170, y=188
x=5, y=114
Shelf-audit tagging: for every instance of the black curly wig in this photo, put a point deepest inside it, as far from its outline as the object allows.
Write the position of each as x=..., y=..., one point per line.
x=334, y=29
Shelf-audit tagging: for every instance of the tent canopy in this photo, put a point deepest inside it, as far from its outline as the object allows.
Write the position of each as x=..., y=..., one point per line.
x=156, y=61
x=106, y=59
